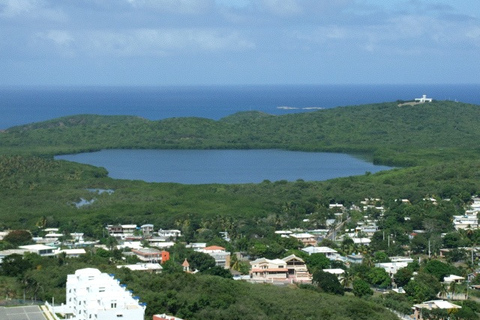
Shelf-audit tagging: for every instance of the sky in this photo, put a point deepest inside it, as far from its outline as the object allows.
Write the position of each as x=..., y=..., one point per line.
x=238, y=42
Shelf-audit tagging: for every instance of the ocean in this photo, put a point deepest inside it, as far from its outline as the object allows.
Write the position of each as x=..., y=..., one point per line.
x=23, y=105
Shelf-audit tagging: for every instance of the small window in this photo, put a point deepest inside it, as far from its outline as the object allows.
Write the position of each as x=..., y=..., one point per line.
x=119, y=315
x=101, y=289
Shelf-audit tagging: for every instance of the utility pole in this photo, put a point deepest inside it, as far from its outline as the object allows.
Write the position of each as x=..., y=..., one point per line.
x=472, y=254
x=429, y=252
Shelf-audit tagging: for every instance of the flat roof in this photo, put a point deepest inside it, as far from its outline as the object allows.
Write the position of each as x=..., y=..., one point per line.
x=36, y=247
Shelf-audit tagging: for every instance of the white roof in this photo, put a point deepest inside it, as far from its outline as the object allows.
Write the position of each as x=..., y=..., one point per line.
x=452, y=277
x=163, y=244
x=142, y=266
x=72, y=251
x=283, y=232
x=440, y=304
x=36, y=247
x=334, y=271
x=302, y=235
x=324, y=250
x=269, y=261
x=87, y=271
x=361, y=240
x=53, y=235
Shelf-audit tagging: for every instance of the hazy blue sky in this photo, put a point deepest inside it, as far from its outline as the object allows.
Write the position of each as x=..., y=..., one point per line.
x=191, y=42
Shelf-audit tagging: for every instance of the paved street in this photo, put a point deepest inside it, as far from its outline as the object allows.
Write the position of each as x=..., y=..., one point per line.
x=21, y=313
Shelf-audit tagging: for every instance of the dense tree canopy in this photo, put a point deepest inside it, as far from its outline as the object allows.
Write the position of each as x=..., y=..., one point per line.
x=327, y=282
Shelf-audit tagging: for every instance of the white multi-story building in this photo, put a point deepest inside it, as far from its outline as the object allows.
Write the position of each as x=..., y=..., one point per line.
x=95, y=295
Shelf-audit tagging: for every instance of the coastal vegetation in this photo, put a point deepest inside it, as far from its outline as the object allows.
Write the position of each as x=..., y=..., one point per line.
x=392, y=135
x=435, y=147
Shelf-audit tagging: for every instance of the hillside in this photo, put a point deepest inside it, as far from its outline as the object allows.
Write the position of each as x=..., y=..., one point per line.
x=393, y=134
x=439, y=141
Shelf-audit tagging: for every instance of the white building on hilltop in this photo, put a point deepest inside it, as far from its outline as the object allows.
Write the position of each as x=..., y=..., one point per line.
x=95, y=295
x=423, y=99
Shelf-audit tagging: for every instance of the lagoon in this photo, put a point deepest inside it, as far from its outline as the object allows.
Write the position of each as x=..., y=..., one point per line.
x=224, y=166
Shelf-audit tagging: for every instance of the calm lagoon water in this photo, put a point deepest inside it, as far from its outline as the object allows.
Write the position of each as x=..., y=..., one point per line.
x=224, y=166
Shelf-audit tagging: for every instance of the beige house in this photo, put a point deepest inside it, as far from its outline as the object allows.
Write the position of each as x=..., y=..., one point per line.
x=433, y=304
x=288, y=269
x=306, y=238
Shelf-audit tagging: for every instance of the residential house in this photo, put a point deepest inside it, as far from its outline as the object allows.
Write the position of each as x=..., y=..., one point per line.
x=368, y=229
x=77, y=236
x=164, y=316
x=306, y=238
x=122, y=230
x=6, y=253
x=71, y=253
x=40, y=249
x=361, y=241
x=148, y=267
x=147, y=230
x=391, y=267
x=336, y=206
x=330, y=253
x=148, y=254
x=453, y=278
x=169, y=233
x=355, y=258
x=432, y=304
x=297, y=269
x=222, y=257
x=160, y=243
x=466, y=221
x=196, y=245
x=288, y=269
x=336, y=272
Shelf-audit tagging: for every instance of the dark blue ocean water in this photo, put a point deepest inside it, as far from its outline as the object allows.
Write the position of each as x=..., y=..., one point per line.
x=21, y=105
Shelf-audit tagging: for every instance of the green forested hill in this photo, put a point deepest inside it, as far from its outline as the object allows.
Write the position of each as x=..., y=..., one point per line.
x=438, y=141
x=395, y=135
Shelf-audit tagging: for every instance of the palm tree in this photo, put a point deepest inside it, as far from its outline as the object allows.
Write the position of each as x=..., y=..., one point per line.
x=453, y=287
x=235, y=263
x=443, y=290
x=347, y=280
x=111, y=242
x=367, y=260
